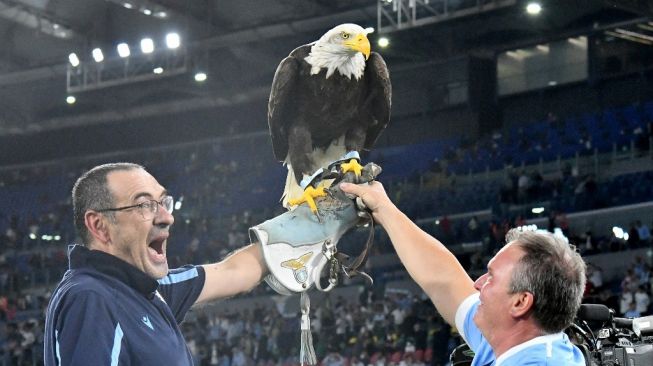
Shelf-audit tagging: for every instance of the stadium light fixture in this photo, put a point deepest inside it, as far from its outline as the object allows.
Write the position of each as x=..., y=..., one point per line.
x=158, y=70
x=513, y=54
x=123, y=50
x=98, y=56
x=531, y=227
x=200, y=76
x=147, y=45
x=128, y=5
x=161, y=14
x=618, y=232
x=73, y=59
x=147, y=11
x=173, y=41
x=369, y=30
x=580, y=41
x=534, y=8
x=71, y=99
x=384, y=42
x=537, y=210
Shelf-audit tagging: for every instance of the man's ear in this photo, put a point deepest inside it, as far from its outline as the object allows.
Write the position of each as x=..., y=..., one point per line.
x=97, y=226
x=522, y=303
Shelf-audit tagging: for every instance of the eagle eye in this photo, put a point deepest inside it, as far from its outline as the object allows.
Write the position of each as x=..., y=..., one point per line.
x=344, y=35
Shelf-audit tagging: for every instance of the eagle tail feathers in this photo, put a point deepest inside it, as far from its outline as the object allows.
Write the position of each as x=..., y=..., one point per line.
x=292, y=190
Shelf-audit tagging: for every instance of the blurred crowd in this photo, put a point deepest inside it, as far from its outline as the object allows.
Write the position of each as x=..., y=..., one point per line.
x=399, y=327
x=222, y=189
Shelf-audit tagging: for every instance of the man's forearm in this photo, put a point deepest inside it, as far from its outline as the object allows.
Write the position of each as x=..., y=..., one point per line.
x=435, y=269
x=239, y=272
x=249, y=264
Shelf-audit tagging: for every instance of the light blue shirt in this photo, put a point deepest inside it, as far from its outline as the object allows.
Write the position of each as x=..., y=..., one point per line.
x=552, y=349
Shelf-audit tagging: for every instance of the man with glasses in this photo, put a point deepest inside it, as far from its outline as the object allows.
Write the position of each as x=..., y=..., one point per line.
x=119, y=304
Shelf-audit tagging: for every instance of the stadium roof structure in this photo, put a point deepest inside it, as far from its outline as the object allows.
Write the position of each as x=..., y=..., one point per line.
x=238, y=44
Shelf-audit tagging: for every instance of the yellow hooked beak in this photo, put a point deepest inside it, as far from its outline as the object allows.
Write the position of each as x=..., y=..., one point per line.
x=359, y=43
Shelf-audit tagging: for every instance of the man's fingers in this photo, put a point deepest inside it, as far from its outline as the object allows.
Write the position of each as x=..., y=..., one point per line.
x=350, y=188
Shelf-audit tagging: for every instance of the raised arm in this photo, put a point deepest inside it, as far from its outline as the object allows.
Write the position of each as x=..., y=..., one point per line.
x=435, y=269
x=239, y=272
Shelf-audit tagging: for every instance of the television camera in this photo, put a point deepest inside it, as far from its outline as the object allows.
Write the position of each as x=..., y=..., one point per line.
x=617, y=341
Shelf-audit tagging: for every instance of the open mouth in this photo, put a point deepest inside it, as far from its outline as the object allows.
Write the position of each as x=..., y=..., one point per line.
x=156, y=249
x=157, y=245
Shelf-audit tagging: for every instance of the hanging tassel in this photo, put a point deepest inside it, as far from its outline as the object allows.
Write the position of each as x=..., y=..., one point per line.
x=307, y=353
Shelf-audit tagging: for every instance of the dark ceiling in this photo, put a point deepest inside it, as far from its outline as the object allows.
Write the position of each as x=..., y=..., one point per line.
x=242, y=42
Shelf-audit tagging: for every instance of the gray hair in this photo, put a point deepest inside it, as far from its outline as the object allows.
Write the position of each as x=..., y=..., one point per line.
x=91, y=192
x=553, y=272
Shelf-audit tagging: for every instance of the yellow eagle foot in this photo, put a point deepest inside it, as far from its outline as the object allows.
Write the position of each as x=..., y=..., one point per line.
x=309, y=196
x=351, y=166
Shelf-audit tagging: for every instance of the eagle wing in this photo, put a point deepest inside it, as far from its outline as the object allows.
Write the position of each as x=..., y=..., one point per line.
x=379, y=99
x=281, y=94
x=304, y=258
x=297, y=263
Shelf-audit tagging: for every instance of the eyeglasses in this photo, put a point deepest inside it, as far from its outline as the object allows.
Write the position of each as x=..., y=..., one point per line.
x=148, y=209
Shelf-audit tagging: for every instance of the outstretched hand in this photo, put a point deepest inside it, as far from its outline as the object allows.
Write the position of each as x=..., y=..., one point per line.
x=373, y=195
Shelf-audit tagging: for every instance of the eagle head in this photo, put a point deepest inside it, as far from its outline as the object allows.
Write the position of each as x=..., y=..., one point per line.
x=344, y=48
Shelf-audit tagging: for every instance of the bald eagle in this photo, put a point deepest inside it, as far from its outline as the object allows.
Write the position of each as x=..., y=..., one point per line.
x=328, y=98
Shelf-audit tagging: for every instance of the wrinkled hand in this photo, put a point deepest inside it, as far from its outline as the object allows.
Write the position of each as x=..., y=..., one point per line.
x=373, y=195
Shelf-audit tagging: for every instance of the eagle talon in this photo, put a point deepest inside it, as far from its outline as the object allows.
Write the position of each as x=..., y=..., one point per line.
x=309, y=195
x=352, y=166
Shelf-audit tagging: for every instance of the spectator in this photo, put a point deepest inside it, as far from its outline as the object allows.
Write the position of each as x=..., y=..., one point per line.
x=523, y=187
x=632, y=311
x=12, y=347
x=595, y=276
x=333, y=359
x=630, y=281
x=643, y=231
x=627, y=298
x=642, y=300
x=633, y=236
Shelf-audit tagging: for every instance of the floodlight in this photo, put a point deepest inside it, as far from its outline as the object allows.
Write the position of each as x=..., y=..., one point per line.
x=147, y=45
x=537, y=210
x=173, y=41
x=74, y=60
x=123, y=50
x=200, y=76
x=98, y=56
x=618, y=232
x=384, y=42
x=533, y=8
